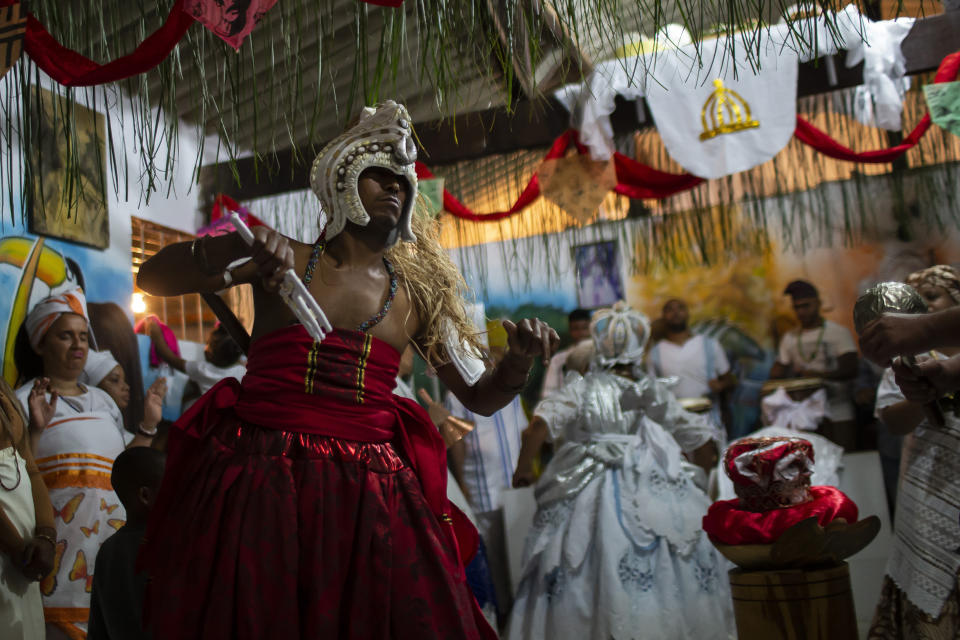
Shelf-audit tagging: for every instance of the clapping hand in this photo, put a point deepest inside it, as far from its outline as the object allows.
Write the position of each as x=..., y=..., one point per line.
x=41, y=410
x=153, y=403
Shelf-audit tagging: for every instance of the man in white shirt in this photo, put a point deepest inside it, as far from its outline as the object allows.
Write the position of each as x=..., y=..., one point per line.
x=697, y=361
x=578, y=326
x=823, y=349
x=221, y=359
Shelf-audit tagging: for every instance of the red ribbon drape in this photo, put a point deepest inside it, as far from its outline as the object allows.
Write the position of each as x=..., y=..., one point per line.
x=634, y=179
x=814, y=137
x=71, y=69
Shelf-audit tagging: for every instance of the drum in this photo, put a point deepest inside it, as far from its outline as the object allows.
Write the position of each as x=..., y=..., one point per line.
x=696, y=405
x=799, y=389
x=794, y=605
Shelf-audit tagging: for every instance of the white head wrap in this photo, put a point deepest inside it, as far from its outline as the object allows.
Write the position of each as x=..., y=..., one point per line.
x=382, y=138
x=619, y=335
x=99, y=365
x=48, y=310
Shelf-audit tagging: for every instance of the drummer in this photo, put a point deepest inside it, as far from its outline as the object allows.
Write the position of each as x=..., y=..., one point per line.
x=697, y=361
x=822, y=349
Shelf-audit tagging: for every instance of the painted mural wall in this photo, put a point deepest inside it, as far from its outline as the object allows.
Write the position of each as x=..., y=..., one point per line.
x=92, y=248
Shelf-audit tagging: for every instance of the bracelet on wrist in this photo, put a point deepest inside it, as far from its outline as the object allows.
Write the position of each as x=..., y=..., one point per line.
x=43, y=536
x=143, y=431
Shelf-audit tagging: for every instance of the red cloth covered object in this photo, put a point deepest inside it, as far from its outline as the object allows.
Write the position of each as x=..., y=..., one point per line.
x=771, y=477
x=308, y=501
x=768, y=473
x=727, y=523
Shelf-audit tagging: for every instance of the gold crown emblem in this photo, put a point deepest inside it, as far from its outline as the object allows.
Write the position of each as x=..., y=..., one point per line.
x=725, y=111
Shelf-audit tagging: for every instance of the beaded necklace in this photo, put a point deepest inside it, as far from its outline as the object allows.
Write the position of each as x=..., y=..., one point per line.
x=816, y=347
x=365, y=326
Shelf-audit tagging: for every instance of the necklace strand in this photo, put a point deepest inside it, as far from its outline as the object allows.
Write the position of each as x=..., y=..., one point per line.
x=365, y=326
x=816, y=347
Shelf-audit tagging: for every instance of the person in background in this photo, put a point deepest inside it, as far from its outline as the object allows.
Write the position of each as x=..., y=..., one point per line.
x=920, y=597
x=103, y=371
x=114, y=334
x=27, y=536
x=697, y=361
x=823, y=349
x=116, y=601
x=483, y=464
x=74, y=430
x=578, y=326
x=616, y=548
x=221, y=359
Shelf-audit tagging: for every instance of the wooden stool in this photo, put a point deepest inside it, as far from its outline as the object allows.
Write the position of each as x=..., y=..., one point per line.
x=794, y=605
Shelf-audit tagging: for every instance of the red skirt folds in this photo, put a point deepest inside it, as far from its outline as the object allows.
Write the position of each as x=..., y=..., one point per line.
x=276, y=533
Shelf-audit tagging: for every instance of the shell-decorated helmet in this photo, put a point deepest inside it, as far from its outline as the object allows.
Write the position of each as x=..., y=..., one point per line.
x=381, y=138
x=619, y=334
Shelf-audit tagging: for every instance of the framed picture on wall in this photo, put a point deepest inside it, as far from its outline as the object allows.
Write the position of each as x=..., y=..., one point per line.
x=68, y=173
x=598, y=274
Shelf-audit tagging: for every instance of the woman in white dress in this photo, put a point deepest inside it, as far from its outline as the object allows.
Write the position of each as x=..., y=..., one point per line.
x=76, y=432
x=616, y=550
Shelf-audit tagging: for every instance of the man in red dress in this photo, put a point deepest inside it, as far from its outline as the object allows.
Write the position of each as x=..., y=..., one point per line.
x=308, y=500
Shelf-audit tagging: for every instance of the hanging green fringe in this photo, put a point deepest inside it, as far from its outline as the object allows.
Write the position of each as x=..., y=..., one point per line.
x=310, y=64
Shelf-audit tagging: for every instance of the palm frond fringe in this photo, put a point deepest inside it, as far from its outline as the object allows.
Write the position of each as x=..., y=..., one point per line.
x=310, y=64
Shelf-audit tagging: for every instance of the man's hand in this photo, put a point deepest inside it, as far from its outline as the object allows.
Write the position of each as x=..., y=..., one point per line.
x=893, y=334
x=36, y=558
x=273, y=254
x=531, y=338
x=41, y=411
x=929, y=380
x=153, y=403
x=716, y=385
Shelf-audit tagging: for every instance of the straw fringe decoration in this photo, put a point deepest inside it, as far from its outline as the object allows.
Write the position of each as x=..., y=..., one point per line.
x=310, y=64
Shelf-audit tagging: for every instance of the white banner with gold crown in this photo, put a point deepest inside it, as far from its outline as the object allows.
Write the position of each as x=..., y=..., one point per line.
x=724, y=118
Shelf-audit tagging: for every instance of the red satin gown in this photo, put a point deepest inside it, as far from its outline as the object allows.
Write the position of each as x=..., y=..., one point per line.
x=308, y=501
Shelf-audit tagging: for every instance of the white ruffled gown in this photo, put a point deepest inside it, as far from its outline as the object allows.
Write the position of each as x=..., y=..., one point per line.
x=616, y=550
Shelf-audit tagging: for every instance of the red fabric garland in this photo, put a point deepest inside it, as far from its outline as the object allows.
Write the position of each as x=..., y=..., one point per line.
x=727, y=523
x=814, y=137
x=635, y=180
x=71, y=69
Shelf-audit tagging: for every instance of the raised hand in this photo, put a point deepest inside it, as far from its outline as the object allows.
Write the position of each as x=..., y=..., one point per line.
x=891, y=335
x=153, y=403
x=41, y=410
x=273, y=254
x=531, y=338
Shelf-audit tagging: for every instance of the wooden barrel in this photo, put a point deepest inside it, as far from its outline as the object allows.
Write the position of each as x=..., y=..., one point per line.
x=794, y=605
